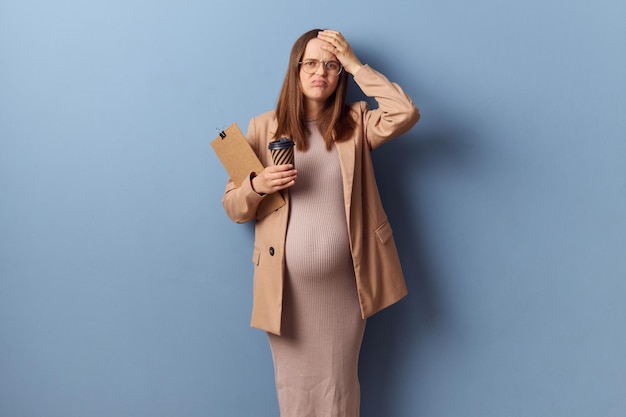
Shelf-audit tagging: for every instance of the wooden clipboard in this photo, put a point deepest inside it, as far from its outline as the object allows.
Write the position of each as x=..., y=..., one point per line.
x=239, y=159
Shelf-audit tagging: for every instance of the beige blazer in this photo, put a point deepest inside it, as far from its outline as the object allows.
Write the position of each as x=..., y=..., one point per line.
x=379, y=277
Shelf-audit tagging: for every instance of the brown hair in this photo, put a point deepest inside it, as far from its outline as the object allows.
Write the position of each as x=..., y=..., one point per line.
x=334, y=122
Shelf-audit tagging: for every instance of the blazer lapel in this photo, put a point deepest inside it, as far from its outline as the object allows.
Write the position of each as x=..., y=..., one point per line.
x=346, y=149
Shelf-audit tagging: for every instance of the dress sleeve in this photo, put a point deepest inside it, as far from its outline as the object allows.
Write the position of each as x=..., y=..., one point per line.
x=241, y=203
x=396, y=114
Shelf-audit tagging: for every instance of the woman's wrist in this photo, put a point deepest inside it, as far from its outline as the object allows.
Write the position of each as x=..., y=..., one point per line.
x=354, y=68
x=252, y=177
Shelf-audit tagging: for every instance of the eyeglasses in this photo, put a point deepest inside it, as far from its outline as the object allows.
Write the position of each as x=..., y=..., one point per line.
x=310, y=66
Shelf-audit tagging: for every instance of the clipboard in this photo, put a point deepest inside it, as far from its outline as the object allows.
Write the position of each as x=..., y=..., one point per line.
x=239, y=160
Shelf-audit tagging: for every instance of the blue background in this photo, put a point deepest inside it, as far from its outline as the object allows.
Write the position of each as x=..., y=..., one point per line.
x=126, y=291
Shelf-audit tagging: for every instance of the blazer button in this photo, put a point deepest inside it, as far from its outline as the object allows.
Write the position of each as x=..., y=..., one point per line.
x=271, y=251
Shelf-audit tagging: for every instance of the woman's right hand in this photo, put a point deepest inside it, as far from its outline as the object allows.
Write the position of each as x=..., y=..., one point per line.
x=274, y=178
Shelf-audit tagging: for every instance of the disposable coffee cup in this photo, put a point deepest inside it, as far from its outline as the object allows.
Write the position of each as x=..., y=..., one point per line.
x=282, y=151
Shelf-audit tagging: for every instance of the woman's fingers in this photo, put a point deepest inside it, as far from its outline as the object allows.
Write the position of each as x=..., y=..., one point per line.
x=337, y=45
x=274, y=178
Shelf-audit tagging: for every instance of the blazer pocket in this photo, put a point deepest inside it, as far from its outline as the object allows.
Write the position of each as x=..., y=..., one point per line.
x=256, y=256
x=384, y=232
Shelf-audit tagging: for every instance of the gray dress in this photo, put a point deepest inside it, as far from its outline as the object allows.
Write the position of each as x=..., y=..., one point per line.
x=316, y=357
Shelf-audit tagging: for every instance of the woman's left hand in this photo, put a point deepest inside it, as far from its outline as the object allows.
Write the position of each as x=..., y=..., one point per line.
x=337, y=45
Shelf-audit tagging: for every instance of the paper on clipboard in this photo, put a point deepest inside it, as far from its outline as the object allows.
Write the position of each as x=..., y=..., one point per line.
x=239, y=159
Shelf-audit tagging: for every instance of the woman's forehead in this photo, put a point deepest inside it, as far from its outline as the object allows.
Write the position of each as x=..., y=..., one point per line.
x=314, y=50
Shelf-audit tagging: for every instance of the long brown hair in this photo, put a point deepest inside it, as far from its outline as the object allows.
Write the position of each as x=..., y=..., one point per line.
x=334, y=122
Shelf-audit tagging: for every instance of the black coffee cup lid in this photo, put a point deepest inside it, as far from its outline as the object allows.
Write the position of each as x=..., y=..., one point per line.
x=281, y=143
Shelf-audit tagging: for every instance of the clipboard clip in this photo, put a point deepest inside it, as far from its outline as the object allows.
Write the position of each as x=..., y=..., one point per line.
x=221, y=132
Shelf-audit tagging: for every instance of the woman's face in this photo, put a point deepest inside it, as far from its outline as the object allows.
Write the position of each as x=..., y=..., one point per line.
x=317, y=87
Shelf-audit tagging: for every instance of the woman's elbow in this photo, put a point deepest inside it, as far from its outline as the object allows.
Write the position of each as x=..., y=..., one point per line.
x=237, y=214
x=414, y=115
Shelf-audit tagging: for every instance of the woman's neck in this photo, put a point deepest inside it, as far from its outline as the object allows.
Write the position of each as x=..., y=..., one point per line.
x=312, y=110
